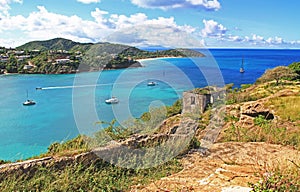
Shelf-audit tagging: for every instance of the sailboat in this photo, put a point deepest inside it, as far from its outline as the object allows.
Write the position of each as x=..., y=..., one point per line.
x=28, y=101
x=242, y=70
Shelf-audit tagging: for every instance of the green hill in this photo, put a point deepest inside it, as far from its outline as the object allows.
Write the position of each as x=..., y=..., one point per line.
x=54, y=44
x=65, y=56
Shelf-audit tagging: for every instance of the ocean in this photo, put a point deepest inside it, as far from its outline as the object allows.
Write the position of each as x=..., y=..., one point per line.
x=71, y=104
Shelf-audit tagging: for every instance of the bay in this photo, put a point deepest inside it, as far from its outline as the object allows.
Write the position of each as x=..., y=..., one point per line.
x=71, y=104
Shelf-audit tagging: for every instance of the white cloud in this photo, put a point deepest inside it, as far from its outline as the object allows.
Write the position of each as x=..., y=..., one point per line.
x=155, y=35
x=207, y=4
x=213, y=29
x=235, y=38
x=217, y=33
x=257, y=38
x=42, y=24
x=138, y=30
x=4, y=5
x=170, y=4
x=99, y=16
x=89, y=1
x=122, y=21
x=276, y=40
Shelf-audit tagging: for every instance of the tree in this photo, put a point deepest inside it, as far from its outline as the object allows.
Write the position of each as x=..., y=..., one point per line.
x=295, y=67
x=277, y=74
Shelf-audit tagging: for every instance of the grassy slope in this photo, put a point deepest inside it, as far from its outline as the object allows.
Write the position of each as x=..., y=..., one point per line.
x=284, y=99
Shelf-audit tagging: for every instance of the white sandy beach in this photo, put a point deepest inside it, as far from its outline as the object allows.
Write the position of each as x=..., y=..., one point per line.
x=155, y=58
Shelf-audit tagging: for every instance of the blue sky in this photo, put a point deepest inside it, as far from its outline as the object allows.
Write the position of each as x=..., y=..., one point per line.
x=173, y=23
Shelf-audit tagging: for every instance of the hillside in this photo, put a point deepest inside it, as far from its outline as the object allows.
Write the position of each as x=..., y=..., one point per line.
x=56, y=56
x=54, y=44
x=257, y=148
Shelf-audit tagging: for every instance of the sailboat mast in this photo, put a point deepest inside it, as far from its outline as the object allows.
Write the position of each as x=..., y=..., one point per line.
x=243, y=63
x=242, y=66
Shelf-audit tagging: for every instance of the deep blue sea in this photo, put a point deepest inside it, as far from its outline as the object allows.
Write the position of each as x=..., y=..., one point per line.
x=71, y=104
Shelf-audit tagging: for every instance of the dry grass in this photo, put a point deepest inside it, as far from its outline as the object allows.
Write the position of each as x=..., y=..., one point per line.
x=283, y=176
x=287, y=108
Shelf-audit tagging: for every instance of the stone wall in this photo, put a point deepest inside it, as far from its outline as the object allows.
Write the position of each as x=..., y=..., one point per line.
x=195, y=103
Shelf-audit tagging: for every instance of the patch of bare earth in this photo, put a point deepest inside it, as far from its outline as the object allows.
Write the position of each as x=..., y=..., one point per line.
x=226, y=166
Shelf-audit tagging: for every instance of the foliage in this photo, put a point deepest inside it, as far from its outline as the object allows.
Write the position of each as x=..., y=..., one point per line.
x=279, y=178
x=264, y=131
x=237, y=97
x=43, y=55
x=115, y=132
x=52, y=44
x=277, y=74
x=96, y=176
x=194, y=143
x=4, y=162
x=295, y=67
x=286, y=107
x=175, y=109
x=76, y=145
x=245, y=86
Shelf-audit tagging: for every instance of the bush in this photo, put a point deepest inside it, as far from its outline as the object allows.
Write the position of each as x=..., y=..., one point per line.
x=295, y=67
x=77, y=144
x=277, y=74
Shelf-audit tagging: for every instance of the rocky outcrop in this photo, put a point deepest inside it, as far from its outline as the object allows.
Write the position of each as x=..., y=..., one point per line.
x=255, y=109
x=29, y=167
x=227, y=167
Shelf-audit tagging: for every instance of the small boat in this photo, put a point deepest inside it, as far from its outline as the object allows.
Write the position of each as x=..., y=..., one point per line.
x=242, y=70
x=38, y=88
x=28, y=101
x=112, y=100
x=152, y=83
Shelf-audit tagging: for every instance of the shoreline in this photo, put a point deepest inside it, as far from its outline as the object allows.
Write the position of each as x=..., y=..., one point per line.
x=156, y=58
x=153, y=59
x=137, y=60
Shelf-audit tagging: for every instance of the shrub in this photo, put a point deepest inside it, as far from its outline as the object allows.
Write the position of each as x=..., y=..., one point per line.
x=277, y=74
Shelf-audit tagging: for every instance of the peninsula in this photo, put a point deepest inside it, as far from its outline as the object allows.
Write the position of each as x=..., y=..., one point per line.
x=60, y=56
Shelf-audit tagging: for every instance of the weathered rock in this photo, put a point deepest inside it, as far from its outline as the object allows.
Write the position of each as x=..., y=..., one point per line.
x=227, y=166
x=256, y=108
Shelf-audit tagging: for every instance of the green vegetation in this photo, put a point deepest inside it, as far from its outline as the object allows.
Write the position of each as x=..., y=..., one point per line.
x=65, y=56
x=95, y=176
x=54, y=44
x=286, y=107
x=279, y=178
x=70, y=147
x=277, y=74
x=295, y=67
x=263, y=131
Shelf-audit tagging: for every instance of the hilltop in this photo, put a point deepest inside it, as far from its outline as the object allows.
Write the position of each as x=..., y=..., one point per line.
x=54, y=44
x=56, y=56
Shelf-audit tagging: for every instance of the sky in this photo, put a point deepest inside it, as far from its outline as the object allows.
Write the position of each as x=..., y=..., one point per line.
x=146, y=23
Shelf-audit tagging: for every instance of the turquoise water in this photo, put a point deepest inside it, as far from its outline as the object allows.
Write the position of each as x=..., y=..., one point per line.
x=28, y=130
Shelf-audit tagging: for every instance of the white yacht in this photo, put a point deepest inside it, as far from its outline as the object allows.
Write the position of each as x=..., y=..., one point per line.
x=112, y=100
x=28, y=101
x=152, y=83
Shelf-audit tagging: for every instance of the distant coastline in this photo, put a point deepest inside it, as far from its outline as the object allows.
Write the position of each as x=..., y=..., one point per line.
x=63, y=56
